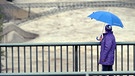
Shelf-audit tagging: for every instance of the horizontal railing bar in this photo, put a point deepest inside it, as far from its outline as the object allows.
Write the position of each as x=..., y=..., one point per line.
x=71, y=73
x=49, y=44
x=125, y=43
x=112, y=73
x=60, y=44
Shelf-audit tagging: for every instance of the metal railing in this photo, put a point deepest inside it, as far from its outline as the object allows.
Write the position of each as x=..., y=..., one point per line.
x=62, y=57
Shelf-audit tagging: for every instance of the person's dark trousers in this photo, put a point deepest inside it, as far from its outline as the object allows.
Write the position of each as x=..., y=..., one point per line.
x=107, y=68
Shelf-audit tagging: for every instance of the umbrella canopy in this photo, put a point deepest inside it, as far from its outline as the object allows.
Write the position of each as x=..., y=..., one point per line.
x=106, y=17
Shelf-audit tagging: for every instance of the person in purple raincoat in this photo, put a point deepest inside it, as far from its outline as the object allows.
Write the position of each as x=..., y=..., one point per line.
x=108, y=45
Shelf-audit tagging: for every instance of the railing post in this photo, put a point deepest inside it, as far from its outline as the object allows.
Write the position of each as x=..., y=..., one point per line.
x=0, y=60
x=134, y=57
x=76, y=58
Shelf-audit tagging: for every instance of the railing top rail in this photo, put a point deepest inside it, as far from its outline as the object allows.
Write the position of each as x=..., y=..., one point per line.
x=60, y=44
x=50, y=44
x=72, y=73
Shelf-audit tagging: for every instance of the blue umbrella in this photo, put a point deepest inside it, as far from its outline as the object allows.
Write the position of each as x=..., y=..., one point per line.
x=106, y=17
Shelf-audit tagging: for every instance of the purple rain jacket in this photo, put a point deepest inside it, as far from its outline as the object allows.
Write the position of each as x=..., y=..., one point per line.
x=108, y=45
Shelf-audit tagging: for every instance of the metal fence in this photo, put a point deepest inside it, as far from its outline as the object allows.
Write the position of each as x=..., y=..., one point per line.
x=62, y=57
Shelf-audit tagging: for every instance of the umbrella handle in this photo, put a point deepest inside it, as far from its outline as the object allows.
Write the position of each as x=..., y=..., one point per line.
x=99, y=38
